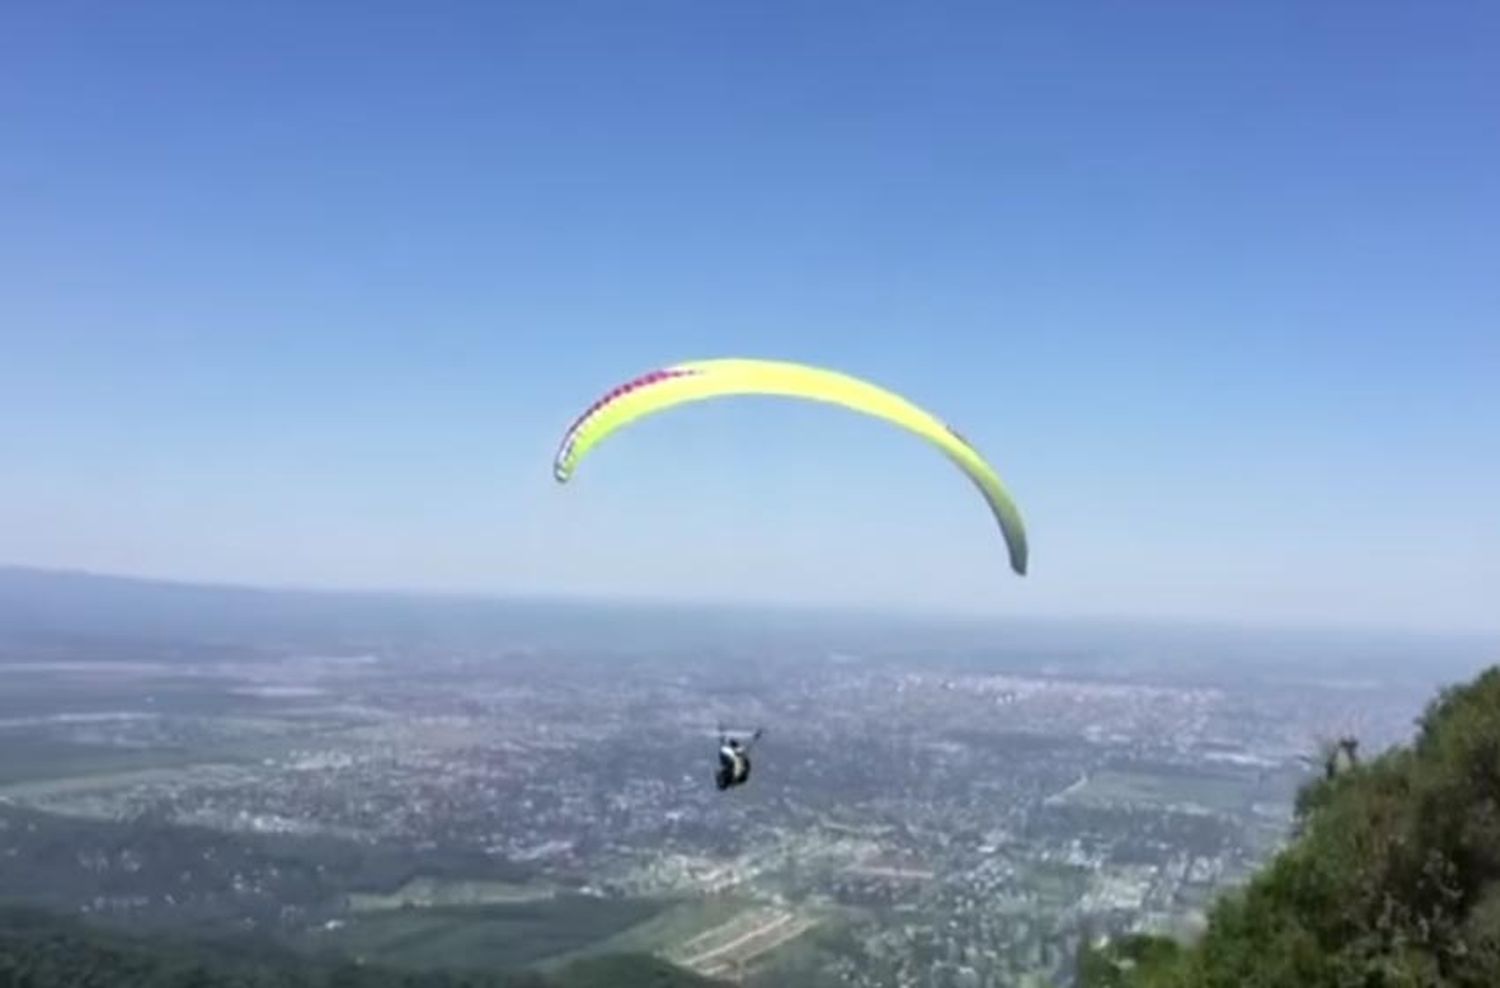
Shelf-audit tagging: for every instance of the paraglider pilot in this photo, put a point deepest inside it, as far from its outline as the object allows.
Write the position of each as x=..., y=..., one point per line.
x=734, y=761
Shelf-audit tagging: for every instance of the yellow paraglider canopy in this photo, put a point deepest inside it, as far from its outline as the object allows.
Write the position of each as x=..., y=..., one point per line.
x=699, y=380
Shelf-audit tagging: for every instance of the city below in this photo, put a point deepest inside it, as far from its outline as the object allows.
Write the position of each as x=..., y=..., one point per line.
x=958, y=814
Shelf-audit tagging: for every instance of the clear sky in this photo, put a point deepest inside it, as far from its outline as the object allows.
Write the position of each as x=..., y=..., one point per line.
x=305, y=294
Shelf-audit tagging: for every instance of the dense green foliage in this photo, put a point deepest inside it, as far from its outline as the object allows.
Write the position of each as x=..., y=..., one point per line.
x=1393, y=879
x=38, y=950
x=145, y=875
x=148, y=872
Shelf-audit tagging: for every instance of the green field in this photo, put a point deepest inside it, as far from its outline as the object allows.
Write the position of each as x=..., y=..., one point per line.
x=667, y=928
x=666, y=934
x=428, y=892
x=1214, y=793
x=803, y=961
x=1057, y=885
x=30, y=759
x=35, y=756
x=490, y=936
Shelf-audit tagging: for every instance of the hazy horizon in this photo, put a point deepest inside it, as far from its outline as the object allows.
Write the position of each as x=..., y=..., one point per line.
x=816, y=613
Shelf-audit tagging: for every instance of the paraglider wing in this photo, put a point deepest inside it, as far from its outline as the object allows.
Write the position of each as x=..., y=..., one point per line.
x=700, y=380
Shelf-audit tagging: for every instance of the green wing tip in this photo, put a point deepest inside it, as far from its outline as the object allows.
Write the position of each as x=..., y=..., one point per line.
x=1020, y=550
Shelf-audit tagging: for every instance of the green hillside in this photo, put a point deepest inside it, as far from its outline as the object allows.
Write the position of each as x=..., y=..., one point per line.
x=1393, y=880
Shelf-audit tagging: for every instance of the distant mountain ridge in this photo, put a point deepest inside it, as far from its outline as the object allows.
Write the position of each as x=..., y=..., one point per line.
x=60, y=601
x=39, y=604
x=81, y=608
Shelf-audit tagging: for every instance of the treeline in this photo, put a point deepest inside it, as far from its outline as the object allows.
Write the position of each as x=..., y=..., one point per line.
x=1393, y=878
x=40, y=950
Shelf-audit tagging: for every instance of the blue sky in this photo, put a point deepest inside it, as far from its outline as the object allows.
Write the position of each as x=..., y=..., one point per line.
x=305, y=294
